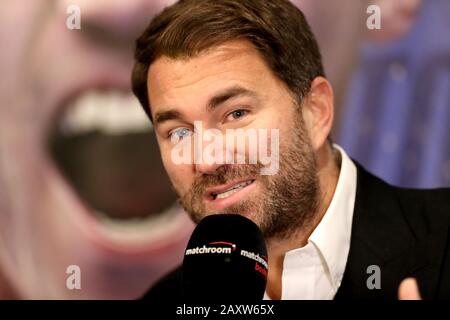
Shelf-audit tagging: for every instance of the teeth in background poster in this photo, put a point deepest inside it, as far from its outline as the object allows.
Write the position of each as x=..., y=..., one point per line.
x=109, y=112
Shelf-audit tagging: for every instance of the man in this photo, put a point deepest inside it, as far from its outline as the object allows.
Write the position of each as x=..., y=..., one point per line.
x=230, y=65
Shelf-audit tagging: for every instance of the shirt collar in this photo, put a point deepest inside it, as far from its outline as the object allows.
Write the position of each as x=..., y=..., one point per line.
x=332, y=235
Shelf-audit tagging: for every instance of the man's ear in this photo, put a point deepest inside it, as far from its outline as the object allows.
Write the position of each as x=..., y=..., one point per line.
x=318, y=111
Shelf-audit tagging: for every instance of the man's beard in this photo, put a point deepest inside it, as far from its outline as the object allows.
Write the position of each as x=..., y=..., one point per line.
x=289, y=199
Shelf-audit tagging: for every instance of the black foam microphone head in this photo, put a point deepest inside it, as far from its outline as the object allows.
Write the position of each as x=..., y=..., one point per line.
x=226, y=259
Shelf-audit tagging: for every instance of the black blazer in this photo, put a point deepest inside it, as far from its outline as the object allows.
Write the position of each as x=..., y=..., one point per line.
x=405, y=232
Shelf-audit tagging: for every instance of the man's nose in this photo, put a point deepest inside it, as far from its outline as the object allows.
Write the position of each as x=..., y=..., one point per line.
x=209, y=169
x=211, y=155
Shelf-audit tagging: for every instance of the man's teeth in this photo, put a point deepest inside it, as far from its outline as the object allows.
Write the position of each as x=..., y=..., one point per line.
x=109, y=112
x=234, y=189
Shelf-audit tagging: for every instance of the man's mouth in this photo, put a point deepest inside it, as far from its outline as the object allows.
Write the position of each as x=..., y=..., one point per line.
x=229, y=191
x=102, y=144
x=221, y=197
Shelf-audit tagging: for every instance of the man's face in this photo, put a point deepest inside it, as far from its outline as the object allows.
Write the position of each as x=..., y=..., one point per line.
x=230, y=87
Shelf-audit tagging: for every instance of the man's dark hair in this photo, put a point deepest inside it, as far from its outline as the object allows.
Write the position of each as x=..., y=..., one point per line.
x=277, y=29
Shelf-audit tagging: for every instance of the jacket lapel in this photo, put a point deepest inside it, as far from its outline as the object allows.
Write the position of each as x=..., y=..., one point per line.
x=382, y=237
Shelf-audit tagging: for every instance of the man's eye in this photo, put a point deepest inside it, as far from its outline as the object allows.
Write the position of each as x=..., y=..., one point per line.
x=180, y=133
x=236, y=115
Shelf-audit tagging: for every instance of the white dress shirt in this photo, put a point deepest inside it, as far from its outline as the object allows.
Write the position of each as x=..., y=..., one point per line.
x=315, y=271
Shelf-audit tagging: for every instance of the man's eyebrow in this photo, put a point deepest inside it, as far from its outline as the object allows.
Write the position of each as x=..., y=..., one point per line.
x=163, y=116
x=227, y=94
x=214, y=102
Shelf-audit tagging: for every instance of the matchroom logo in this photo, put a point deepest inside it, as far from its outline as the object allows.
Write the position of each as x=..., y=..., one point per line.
x=219, y=247
x=261, y=264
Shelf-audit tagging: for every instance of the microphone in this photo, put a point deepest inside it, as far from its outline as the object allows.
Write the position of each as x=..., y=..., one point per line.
x=225, y=259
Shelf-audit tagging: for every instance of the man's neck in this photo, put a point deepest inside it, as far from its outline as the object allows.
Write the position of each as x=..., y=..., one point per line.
x=329, y=163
